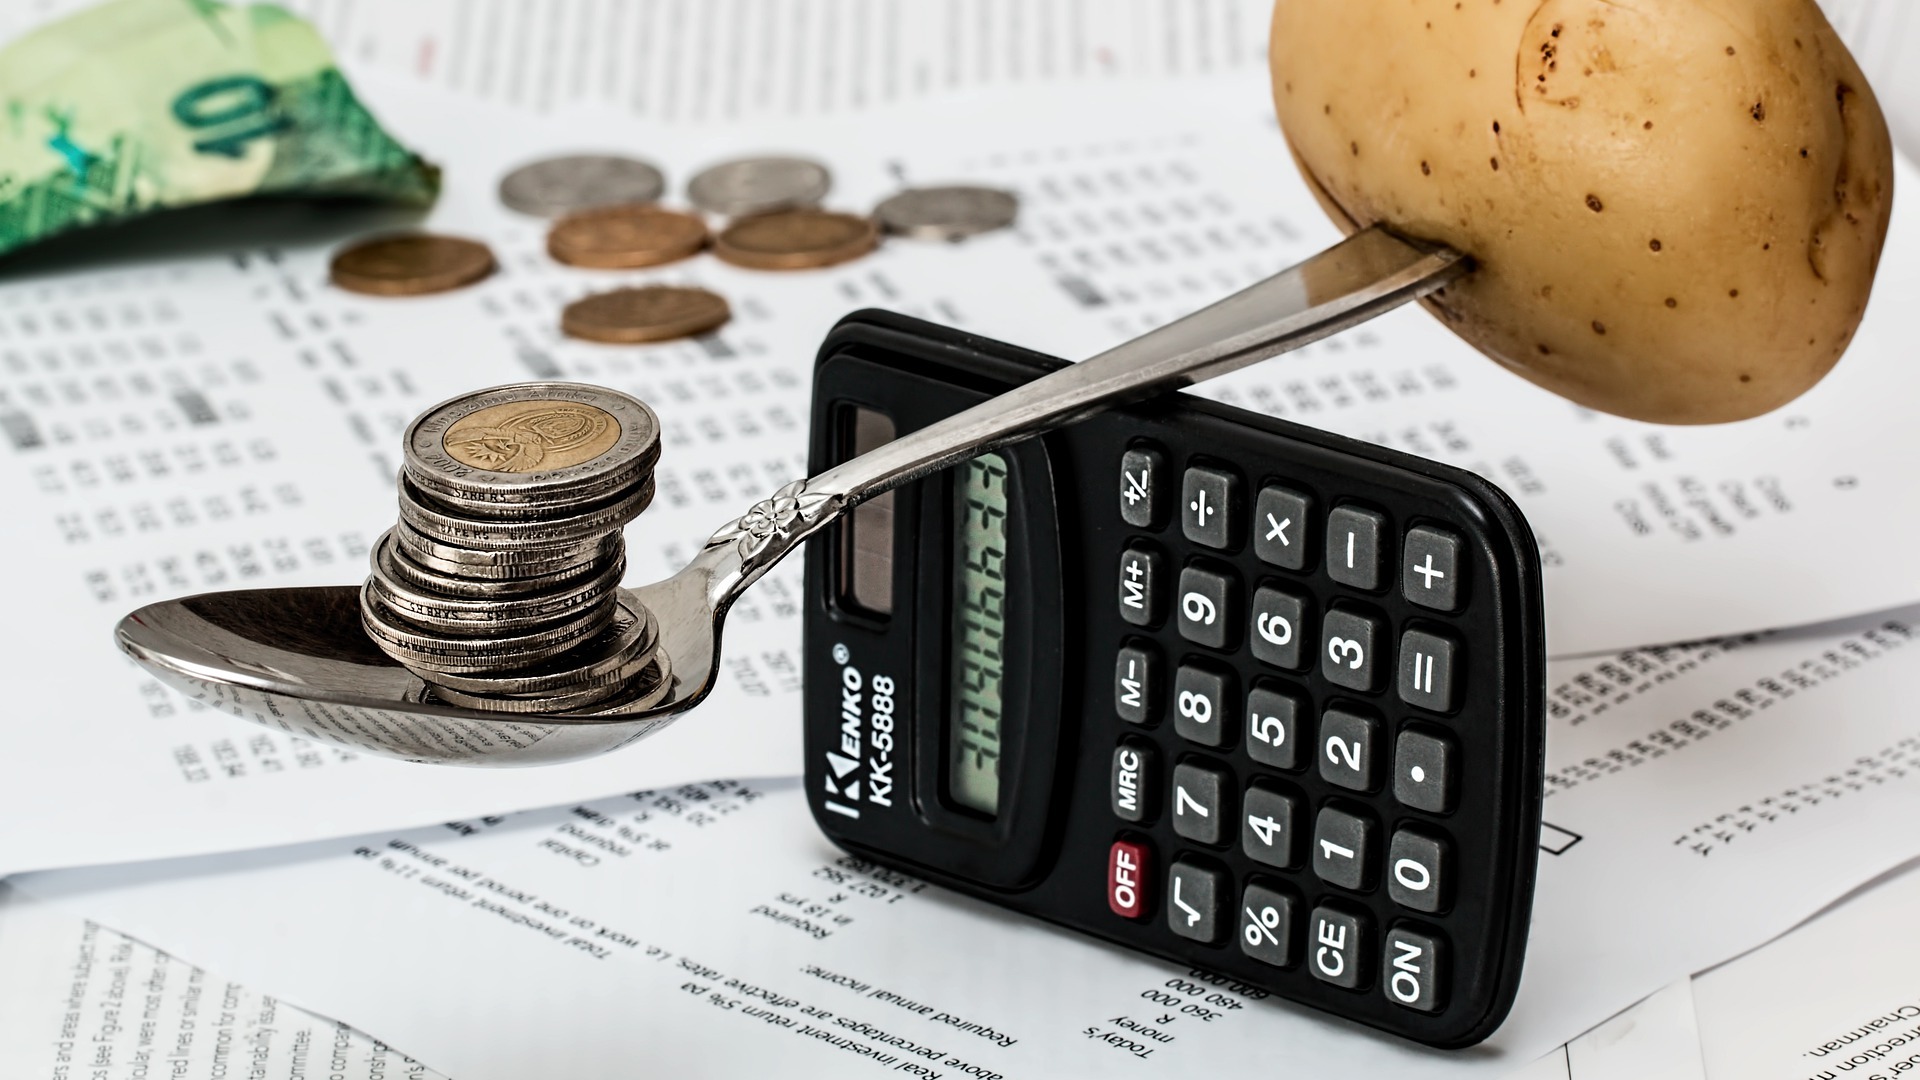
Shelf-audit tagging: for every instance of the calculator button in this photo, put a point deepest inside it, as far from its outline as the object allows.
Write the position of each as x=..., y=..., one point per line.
x=1209, y=507
x=1343, y=852
x=1349, y=743
x=1337, y=946
x=1267, y=916
x=1412, y=963
x=1273, y=727
x=1201, y=802
x=1281, y=527
x=1142, y=504
x=1141, y=568
x=1202, y=704
x=1353, y=546
x=1136, y=683
x=1278, y=627
x=1350, y=642
x=1417, y=868
x=1193, y=900
x=1127, y=879
x=1431, y=568
x=1423, y=772
x=1209, y=606
x=1427, y=666
x=1269, y=827
x=1135, y=774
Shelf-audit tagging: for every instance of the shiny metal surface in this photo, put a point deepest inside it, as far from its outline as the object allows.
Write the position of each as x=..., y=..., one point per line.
x=297, y=659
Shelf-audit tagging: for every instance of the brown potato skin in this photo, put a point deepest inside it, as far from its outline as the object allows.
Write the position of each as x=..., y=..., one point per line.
x=1675, y=207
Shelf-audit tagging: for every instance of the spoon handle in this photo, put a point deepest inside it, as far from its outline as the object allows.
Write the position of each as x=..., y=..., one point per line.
x=1363, y=276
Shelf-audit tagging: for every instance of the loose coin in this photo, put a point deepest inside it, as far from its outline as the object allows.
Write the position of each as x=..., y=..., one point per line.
x=795, y=240
x=646, y=313
x=410, y=264
x=947, y=213
x=562, y=185
x=623, y=237
x=531, y=449
x=757, y=185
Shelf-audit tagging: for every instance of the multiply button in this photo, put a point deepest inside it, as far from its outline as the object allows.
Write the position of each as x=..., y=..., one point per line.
x=1411, y=963
x=1337, y=946
x=1140, y=574
x=1141, y=504
x=1193, y=901
x=1135, y=773
x=1353, y=546
x=1431, y=568
x=1281, y=528
x=1127, y=879
x=1210, y=507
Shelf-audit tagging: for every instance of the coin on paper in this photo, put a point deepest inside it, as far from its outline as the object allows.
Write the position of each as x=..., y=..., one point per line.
x=757, y=185
x=562, y=185
x=645, y=313
x=531, y=449
x=795, y=240
x=410, y=264
x=624, y=237
x=953, y=212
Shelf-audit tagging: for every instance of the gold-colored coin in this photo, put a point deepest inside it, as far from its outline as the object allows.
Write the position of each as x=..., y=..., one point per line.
x=795, y=240
x=647, y=313
x=531, y=436
x=623, y=237
x=410, y=264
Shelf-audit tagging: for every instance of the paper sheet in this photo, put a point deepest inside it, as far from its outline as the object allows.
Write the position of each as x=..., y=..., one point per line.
x=1838, y=997
x=1657, y=1039
x=81, y=1002
x=1681, y=781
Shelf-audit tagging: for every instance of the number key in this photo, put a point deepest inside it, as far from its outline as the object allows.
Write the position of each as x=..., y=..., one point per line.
x=1270, y=827
x=1200, y=704
x=1208, y=609
x=1349, y=743
x=1200, y=802
x=1273, y=723
x=1343, y=849
x=1347, y=658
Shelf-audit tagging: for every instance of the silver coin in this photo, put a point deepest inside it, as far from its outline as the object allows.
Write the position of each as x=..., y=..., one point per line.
x=404, y=567
x=424, y=651
x=612, y=657
x=491, y=616
x=559, y=702
x=437, y=555
x=419, y=511
x=757, y=185
x=560, y=185
x=639, y=693
x=540, y=444
x=947, y=213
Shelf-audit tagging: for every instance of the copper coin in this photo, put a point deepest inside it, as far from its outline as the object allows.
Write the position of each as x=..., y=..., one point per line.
x=795, y=240
x=410, y=264
x=622, y=237
x=647, y=313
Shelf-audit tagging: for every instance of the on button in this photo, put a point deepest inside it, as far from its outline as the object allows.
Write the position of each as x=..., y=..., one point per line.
x=1127, y=879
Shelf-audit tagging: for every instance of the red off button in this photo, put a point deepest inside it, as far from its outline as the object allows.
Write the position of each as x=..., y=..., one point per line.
x=1127, y=879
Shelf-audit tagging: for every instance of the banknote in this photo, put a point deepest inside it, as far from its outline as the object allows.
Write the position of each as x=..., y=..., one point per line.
x=136, y=106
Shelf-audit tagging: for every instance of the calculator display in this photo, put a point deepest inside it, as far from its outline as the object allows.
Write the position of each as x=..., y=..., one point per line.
x=977, y=697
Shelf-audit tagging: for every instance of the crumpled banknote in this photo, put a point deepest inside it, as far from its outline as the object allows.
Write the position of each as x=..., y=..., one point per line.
x=136, y=106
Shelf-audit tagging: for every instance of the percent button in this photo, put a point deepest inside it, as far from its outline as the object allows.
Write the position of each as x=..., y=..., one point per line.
x=1267, y=917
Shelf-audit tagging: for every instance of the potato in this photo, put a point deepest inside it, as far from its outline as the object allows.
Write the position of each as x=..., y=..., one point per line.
x=1675, y=207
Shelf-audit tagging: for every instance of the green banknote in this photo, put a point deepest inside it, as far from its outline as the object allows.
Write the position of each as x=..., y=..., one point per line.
x=141, y=105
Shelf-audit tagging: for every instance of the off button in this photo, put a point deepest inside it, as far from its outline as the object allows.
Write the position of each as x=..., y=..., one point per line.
x=1127, y=879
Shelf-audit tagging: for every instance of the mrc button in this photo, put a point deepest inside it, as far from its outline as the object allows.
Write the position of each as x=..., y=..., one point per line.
x=1127, y=879
x=1135, y=773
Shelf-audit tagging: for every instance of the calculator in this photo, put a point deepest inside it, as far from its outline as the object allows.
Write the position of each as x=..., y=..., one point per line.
x=1237, y=693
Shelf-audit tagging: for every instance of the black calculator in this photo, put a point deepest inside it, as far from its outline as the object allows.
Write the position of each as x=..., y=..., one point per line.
x=1234, y=692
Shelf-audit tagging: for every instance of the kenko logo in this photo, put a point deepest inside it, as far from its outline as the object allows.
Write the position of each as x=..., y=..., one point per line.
x=850, y=769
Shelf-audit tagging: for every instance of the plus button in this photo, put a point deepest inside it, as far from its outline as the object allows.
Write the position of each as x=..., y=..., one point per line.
x=1427, y=571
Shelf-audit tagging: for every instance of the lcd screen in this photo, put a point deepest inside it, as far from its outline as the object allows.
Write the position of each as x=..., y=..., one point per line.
x=979, y=633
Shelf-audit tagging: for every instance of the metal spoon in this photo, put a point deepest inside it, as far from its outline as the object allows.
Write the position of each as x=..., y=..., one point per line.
x=297, y=659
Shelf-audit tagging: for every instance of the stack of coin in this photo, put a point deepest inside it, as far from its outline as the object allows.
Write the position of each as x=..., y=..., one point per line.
x=500, y=584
